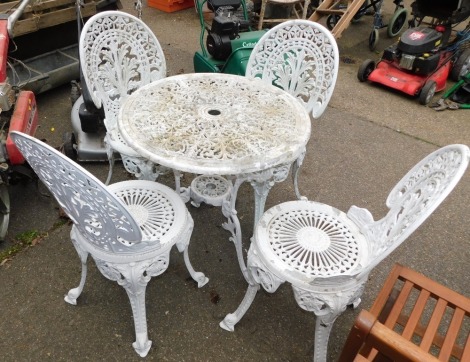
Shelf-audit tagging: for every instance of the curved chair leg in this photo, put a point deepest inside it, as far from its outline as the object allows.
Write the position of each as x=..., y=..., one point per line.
x=327, y=307
x=323, y=327
x=133, y=277
x=111, y=160
x=182, y=246
x=74, y=293
x=135, y=285
x=233, y=318
x=198, y=277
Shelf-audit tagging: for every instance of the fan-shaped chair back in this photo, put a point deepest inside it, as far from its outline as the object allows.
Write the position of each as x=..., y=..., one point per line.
x=412, y=200
x=118, y=54
x=301, y=57
x=95, y=211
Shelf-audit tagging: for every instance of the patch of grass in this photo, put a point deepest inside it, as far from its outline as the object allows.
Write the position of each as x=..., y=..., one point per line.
x=21, y=242
x=28, y=237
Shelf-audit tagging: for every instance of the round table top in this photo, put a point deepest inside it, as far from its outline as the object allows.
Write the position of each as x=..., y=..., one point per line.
x=212, y=123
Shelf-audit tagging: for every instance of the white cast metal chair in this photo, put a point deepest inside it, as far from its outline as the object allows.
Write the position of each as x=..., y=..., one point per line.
x=119, y=54
x=327, y=255
x=302, y=58
x=128, y=228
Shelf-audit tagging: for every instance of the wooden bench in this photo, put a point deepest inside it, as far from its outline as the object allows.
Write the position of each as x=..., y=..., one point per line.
x=412, y=319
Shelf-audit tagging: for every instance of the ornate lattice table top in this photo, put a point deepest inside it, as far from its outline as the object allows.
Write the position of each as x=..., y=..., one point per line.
x=215, y=124
x=307, y=239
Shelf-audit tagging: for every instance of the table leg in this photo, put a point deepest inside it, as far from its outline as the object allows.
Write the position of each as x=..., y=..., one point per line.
x=184, y=192
x=261, y=183
x=233, y=224
x=295, y=174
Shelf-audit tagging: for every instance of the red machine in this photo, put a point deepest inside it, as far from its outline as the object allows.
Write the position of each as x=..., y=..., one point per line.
x=38, y=52
x=18, y=112
x=426, y=55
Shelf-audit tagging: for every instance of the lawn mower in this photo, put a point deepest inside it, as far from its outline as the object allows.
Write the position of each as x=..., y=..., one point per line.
x=394, y=26
x=229, y=39
x=427, y=53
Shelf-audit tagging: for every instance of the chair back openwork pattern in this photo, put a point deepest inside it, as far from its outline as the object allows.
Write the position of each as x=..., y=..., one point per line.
x=327, y=255
x=118, y=54
x=129, y=228
x=300, y=57
x=95, y=211
x=412, y=200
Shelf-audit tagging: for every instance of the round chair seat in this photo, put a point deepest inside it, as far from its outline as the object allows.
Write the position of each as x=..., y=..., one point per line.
x=212, y=190
x=302, y=240
x=157, y=209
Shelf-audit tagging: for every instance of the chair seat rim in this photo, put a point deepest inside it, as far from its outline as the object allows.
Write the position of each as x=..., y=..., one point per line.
x=286, y=266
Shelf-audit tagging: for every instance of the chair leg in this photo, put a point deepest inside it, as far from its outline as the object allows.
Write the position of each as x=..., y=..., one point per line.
x=182, y=246
x=322, y=335
x=261, y=14
x=74, y=293
x=111, y=160
x=135, y=285
x=198, y=277
x=133, y=277
x=305, y=9
x=233, y=318
x=327, y=306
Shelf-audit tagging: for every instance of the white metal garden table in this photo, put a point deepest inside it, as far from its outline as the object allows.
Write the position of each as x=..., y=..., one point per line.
x=219, y=124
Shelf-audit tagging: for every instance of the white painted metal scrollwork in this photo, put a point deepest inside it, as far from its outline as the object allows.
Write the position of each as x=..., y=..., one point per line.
x=327, y=255
x=412, y=200
x=154, y=212
x=313, y=239
x=262, y=182
x=128, y=227
x=327, y=306
x=218, y=124
x=261, y=274
x=133, y=278
x=118, y=55
x=300, y=57
x=214, y=124
x=212, y=190
x=95, y=212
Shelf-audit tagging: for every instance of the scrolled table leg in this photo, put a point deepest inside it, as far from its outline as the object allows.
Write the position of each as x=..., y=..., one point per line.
x=233, y=224
x=295, y=175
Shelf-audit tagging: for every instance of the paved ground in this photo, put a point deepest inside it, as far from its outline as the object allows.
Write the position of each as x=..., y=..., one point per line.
x=365, y=142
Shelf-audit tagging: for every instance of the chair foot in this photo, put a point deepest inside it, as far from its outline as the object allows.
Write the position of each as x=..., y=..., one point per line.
x=200, y=278
x=142, y=345
x=233, y=318
x=229, y=322
x=356, y=303
x=72, y=296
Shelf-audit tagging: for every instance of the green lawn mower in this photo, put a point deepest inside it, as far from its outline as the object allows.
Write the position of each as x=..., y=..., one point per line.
x=227, y=43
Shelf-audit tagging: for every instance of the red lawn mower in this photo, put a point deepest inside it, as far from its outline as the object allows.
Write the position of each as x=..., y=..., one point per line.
x=428, y=53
